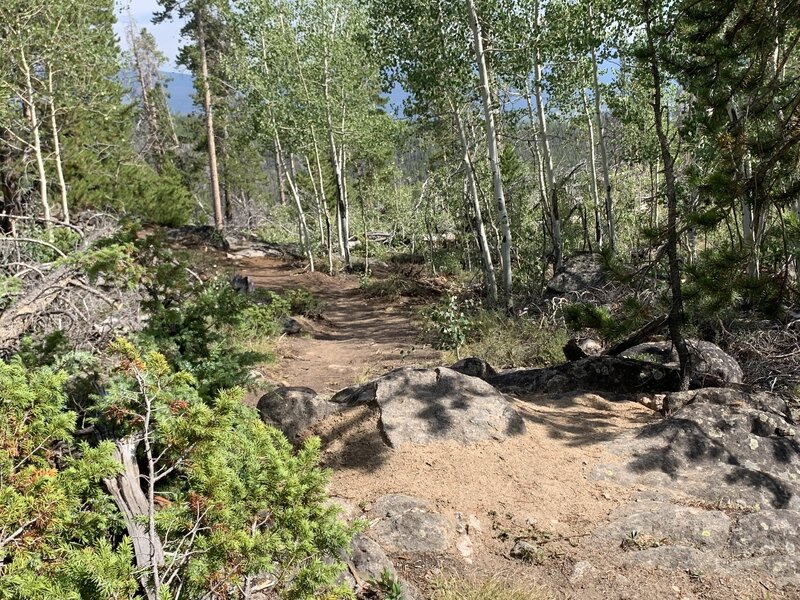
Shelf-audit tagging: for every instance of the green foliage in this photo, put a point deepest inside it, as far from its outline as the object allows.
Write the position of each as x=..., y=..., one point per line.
x=193, y=333
x=55, y=518
x=449, y=323
x=256, y=506
x=155, y=197
x=610, y=323
x=505, y=341
x=389, y=585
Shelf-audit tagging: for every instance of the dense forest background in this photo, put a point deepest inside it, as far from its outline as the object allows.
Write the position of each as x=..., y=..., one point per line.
x=656, y=141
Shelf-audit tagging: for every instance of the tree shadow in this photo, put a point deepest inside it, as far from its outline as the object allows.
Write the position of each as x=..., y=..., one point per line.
x=679, y=444
x=579, y=418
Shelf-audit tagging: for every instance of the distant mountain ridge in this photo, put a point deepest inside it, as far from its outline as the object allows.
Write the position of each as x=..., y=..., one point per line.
x=180, y=87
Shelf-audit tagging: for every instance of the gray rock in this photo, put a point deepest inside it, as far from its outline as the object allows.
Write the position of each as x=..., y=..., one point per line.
x=421, y=406
x=578, y=348
x=290, y=326
x=371, y=562
x=294, y=409
x=580, y=272
x=243, y=284
x=766, y=533
x=526, y=551
x=673, y=558
x=580, y=570
x=596, y=373
x=710, y=364
x=707, y=449
x=474, y=367
x=669, y=524
x=408, y=524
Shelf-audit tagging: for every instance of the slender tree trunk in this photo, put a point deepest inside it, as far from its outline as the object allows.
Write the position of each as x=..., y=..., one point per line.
x=30, y=104
x=305, y=237
x=62, y=184
x=279, y=172
x=494, y=158
x=547, y=159
x=610, y=217
x=342, y=212
x=676, y=310
x=480, y=229
x=323, y=201
x=598, y=231
x=207, y=107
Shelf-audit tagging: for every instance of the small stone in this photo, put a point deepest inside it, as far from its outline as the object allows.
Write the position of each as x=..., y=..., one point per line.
x=579, y=571
x=526, y=551
x=461, y=527
x=464, y=547
x=474, y=526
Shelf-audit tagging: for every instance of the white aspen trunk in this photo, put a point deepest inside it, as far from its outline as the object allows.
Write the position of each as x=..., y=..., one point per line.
x=216, y=198
x=305, y=238
x=62, y=184
x=323, y=200
x=480, y=230
x=30, y=103
x=320, y=226
x=341, y=199
x=494, y=159
x=547, y=159
x=593, y=177
x=279, y=172
x=750, y=227
x=601, y=138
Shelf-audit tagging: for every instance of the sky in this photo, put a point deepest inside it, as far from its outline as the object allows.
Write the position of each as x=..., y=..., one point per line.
x=167, y=34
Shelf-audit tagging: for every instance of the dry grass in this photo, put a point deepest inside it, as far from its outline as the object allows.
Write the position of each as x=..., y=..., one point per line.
x=487, y=589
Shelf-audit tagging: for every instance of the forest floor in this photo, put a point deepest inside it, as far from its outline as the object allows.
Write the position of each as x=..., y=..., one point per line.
x=535, y=486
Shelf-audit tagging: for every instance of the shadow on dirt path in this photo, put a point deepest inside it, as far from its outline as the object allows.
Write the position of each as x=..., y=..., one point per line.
x=357, y=339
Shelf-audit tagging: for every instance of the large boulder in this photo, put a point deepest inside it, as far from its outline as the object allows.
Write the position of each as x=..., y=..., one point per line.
x=718, y=445
x=408, y=524
x=580, y=272
x=710, y=364
x=294, y=409
x=474, y=367
x=595, y=373
x=422, y=406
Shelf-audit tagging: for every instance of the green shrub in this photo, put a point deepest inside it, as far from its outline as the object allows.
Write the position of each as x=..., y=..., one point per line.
x=449, y=323
x=241, y=502
x=507, y=342
x=55, y=518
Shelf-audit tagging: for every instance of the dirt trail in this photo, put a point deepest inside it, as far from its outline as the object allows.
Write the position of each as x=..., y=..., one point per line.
x=357, y=339
x=536, y=484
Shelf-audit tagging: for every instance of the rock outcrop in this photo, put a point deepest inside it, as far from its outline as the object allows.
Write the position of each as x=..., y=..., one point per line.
x=579, y=272
x=710, y=364
x=294, y=409
x=421, y=406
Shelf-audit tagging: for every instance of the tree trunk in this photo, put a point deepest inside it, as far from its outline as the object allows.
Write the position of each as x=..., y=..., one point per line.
x=279, y=172
x=598, y=231
x=305, y=238
x=676, y=310
x=480, y=229
x=494, y=159
x=30, y=105
x=547, y=159
x=610, y=218
x=342, y=212
x=126, y=490
x=62, y=184
x=207, y=107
